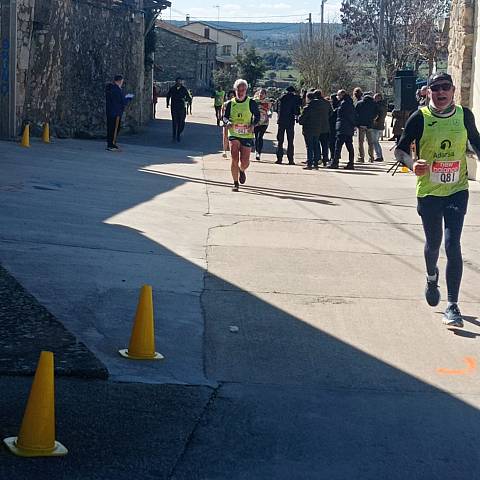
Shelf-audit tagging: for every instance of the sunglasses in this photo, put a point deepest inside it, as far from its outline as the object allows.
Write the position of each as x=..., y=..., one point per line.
x=446, y=87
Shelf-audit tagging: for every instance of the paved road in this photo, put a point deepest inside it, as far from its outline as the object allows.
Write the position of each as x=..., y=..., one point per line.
x=336, y=368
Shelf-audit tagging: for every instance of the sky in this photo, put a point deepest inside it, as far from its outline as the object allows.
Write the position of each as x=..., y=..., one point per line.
x=252, y=11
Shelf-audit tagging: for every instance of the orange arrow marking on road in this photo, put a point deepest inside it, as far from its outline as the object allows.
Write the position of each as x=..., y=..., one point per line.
x=471, y=367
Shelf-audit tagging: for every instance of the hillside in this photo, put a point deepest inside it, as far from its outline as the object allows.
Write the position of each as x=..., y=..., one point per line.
x=261, y=32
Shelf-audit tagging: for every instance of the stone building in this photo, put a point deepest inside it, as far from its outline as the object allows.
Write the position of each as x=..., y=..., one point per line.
x=66, y=51
x=186, y=54
x=463, y=61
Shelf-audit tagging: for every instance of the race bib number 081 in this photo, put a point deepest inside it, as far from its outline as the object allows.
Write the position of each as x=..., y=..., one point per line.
x=445, y=172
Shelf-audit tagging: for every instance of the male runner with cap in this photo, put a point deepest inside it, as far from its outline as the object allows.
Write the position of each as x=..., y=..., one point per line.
x=441, y=131
x=241, y=115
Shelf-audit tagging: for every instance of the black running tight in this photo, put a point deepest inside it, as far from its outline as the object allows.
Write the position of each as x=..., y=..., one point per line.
x=437, y=213
x=260, y=131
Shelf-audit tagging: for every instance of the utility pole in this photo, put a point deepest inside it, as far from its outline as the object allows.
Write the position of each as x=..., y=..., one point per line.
x=310, y=27
x=218, y=20
x=381, y=35
x=322, y=20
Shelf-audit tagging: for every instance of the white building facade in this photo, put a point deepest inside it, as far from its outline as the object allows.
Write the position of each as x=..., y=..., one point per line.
x=229, y=42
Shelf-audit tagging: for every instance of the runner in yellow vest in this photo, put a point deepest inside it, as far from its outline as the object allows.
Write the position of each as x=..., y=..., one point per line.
x=218, y=101
x=441, y=131
x=241, y=116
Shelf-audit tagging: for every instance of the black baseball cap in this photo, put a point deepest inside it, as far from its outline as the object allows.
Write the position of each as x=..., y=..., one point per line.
x=439, y=77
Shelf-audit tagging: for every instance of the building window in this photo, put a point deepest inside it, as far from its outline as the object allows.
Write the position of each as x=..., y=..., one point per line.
x=226, y=50
x=207, y=33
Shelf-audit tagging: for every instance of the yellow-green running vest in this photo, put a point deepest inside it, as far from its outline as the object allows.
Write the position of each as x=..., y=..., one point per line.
x=444, y=147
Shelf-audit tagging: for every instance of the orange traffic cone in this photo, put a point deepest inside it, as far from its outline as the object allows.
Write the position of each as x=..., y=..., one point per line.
x=37, y=433
x=142, y=341
x=26, y=137
x=46, y=133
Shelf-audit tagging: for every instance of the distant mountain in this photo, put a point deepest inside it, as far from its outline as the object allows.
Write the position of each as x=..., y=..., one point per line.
x=261, y=31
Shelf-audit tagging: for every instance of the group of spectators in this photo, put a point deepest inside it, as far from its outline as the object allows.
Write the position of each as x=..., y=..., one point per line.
x=329, y=123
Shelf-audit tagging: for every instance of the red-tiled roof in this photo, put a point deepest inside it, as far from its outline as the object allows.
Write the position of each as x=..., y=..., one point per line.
x=234, y=33
x=182, y=32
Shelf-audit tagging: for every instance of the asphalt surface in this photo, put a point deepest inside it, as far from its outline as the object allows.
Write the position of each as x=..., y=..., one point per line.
x=298, y=344
x=112, y=430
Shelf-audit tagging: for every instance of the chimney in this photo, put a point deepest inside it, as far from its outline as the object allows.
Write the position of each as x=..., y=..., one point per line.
x=188, y=19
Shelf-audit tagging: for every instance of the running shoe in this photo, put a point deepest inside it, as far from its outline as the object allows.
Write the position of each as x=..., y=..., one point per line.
x=111, y=149
x=360, y=160
x=380, y=159
x=308, y=167
x=291, y=162
x=452, y=317
x=236, y=187
x=278, y=162
x=257, y=157
x=243, y=177
x=432, y=292
x=349, y=166
x=333, y=166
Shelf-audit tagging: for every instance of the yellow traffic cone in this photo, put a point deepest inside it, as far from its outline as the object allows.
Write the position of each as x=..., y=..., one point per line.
x=37, y=433
x=26, y=137
x=405, y=169
x=46, y=133
x=142, y=341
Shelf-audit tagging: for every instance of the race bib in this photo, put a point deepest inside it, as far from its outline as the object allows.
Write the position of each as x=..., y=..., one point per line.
x=241, y=129
x=445, y=173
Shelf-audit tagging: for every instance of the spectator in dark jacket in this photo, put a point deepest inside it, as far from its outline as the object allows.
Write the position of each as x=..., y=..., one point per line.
x=367, y=111
x=379, y=125
x=288, y=108
x=345, y=128
x=154, y=100
x=310, y=120
x=357, y=95
x=115, y=101
x=333, y=121
x=322, y=122
x=177, y=99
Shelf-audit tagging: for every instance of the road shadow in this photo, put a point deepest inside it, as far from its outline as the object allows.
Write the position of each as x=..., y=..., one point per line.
x=400, y=425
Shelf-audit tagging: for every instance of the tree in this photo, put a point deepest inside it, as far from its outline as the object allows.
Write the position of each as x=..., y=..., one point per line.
x=225, y=77
x=412, y=30
x=251, y=66
x=276, y=61
x=322, y=63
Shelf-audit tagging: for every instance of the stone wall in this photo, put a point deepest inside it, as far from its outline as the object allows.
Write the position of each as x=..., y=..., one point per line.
x=461, y=47
x=177, y=56
x=67, y=51
x=464, y=64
